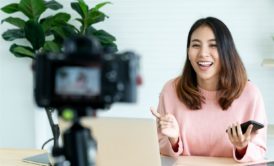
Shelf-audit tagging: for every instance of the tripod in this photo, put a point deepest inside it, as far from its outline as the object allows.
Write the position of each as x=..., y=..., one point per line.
x=79, y=147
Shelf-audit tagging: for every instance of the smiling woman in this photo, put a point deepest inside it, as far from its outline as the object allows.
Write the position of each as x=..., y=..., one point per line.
x=211, y=96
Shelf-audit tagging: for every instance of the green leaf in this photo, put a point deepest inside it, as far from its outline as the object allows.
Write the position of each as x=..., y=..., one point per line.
x=20, y=23
x=57, y=20
x=62, y=32
x=84, y=7
x=11, y=8
x=21, y=51
x=59, y=31
x=35, y=34
x=53, y=5
x=95, y=16
x=65, y=31
x=80, y=10
x=13, y=34
x=90, y=31
x=61, y=18
x=100, y=5
x=51, y=46
x=104, y=37
x=32, y=8
x=70, y=30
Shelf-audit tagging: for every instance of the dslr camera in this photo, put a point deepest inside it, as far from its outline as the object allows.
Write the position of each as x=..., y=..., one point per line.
x=85, y=75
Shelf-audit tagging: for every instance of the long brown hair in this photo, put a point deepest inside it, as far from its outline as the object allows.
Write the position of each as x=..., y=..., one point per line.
x=232, y=76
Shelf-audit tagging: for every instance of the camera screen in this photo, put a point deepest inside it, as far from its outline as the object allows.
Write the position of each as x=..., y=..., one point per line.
x=77, y=81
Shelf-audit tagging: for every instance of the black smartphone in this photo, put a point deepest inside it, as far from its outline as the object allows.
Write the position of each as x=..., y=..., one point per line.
x=256, y=126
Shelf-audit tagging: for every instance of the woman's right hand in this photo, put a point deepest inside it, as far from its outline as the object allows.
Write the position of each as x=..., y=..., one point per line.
x=168, y=125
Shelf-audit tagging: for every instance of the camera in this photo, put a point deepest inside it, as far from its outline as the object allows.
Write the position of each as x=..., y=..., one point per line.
x=85, y=75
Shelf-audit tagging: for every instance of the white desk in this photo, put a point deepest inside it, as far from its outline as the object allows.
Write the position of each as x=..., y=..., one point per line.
x=13, y=157
x=201, y=161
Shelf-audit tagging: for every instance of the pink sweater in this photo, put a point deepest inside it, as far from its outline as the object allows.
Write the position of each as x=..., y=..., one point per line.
x=203, y=132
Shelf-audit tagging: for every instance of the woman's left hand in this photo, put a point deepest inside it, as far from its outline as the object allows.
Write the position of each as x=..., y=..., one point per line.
x=237, y=138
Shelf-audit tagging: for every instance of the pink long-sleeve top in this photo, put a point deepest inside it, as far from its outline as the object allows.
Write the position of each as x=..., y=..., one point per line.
x=203, y=132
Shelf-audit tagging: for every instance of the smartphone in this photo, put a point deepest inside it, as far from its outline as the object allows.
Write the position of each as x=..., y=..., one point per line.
x=256, y=126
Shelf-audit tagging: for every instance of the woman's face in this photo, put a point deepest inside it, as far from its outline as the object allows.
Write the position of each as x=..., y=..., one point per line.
x=203, y=54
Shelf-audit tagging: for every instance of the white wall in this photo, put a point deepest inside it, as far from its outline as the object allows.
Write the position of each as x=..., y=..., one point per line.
x=157, y=30
x=16, y=104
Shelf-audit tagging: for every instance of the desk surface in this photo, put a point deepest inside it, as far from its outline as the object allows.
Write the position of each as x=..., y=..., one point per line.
x=205, y=161
x=13, y=157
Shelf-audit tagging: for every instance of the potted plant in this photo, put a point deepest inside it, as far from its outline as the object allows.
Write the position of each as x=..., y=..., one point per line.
x=46, y=34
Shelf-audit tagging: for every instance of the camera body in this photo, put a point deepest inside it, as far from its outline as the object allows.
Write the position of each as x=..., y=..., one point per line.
x=85, y=76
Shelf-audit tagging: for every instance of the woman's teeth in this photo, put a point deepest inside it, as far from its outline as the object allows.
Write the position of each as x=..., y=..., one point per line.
x=206, y=64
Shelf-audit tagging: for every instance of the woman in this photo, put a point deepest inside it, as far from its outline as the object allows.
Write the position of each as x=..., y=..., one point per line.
x=211, y=96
